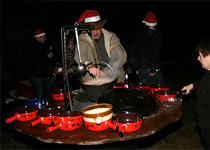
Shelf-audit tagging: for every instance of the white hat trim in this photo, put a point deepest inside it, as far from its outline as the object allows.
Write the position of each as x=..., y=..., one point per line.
x=149, y=24
x=92, y=19
x=42, y=34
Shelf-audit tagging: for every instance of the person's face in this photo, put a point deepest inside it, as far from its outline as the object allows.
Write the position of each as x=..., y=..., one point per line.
x=71, y=41
x=205, y=61
x=96, y=34
x=41, y=39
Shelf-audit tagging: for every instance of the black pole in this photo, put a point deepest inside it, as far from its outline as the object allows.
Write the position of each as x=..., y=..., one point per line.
x=64, y=71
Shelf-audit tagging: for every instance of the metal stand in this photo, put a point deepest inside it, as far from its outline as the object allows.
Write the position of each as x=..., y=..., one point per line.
x=65, y=30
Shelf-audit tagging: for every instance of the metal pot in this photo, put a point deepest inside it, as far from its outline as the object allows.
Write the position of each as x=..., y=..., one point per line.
x=45, y=116
x=26, y=113
x=66, y=121
x=106, y=80
x=94, y=89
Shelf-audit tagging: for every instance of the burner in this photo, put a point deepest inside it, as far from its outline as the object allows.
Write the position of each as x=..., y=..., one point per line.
x=130, y=100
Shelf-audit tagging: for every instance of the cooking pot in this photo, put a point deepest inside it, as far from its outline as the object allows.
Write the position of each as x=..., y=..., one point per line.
x=118, y=86
x=106, y=80
x=165, y=94
x=98, y=117
x=127, y=122
x=26, y=113
x=95, y=87
x=142, y=86
x=58, y=95
x=39, y=102
x=45, y=116
x=158, y=87
x=66, y=121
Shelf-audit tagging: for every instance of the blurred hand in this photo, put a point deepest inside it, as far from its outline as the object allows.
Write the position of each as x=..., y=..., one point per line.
x=94, y=71
x=187, y=88
x=50, y=55
x=137, y=72
x=151, y=74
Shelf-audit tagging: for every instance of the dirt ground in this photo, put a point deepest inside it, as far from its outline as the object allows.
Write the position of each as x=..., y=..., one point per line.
x=182, y=134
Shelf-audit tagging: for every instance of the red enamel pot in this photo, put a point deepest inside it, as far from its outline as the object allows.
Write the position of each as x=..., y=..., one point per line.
x=66, y=121
x=58, y=95
x=158, y=87
x=159, y=95
x=26, y=113
x=142, y=86
x=118, y=86
x=98, y=117
x=45, y=116
x=127, y=122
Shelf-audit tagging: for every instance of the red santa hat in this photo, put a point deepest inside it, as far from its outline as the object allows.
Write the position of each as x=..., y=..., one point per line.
x=39, y=32
x=150, y=19
x=91, y=17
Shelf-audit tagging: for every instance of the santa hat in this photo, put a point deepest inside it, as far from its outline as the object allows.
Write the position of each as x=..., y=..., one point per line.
x=150, y=19
x=91, y=17
x=39, y=32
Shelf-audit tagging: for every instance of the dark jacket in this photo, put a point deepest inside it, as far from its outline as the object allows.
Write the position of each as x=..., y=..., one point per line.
x=202, y=89
x=145, y=50
x=38, y=60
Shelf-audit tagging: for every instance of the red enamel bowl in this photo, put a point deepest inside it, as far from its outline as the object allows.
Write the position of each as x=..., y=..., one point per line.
x=26, y=113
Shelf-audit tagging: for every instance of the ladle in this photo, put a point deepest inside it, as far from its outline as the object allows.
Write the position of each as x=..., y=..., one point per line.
x=81, y=68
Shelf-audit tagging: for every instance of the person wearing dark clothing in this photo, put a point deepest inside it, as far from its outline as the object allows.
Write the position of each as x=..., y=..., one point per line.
x=202, y=89
x=39, y=56
x=144, y=55
x=71, y=63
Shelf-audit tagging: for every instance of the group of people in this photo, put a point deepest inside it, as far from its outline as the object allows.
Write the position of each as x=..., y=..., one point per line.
x=100, y=45
x=104, y=45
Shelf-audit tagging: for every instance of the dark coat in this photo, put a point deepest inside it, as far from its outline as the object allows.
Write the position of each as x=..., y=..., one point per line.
x=202, y=88
x=38, y=60
x=145, y=50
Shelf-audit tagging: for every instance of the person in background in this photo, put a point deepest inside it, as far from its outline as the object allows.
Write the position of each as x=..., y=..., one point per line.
x=71, y=63
x=39, y=56
x=202, y=89
x=144, y=55
x=100, y=45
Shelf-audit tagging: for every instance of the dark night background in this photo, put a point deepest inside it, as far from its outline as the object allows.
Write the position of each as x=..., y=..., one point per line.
x=183, y=24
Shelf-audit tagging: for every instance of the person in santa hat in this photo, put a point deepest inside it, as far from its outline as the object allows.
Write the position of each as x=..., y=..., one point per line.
x=39, y=56
x=144, y=54
x=101, y=45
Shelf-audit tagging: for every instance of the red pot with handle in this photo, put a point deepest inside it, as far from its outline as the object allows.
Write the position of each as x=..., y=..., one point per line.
x=142, y=86
x=127, y=122
x=58, y=95
x=98, y=117
x=159, y=95
x=24, y=114
x=158, y=87
x=66, y=121
x=45, y=116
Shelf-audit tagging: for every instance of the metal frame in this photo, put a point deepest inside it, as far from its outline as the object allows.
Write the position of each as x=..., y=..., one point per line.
x=65, y=30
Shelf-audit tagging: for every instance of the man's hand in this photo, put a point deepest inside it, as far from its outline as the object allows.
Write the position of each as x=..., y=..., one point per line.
x=94, y=71
x=50, y=55
x=151, y=74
